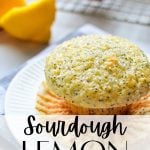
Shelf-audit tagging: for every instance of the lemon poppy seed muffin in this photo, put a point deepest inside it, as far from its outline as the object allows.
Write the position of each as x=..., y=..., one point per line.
x=96, y=72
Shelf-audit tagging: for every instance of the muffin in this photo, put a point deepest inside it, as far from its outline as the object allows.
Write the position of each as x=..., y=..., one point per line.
x=98, y=74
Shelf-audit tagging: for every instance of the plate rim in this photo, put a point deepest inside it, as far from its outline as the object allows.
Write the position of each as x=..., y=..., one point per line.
x=6, y=114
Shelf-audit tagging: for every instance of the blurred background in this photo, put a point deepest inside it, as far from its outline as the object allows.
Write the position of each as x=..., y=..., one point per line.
x=126, y=18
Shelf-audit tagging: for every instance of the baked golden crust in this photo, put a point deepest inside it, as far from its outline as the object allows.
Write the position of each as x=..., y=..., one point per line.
x=141, y=107
x=122, y=110
x=98, y=72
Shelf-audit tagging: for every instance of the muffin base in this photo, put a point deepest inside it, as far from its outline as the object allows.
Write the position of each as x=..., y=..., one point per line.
x=48, y=103
x=142, y=107
x=122, y=110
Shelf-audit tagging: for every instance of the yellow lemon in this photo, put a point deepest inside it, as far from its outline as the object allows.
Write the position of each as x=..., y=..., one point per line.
x=31, y=22
x=6, y=5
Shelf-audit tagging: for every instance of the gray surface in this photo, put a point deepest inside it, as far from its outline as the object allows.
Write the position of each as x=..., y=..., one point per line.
x=134, y=11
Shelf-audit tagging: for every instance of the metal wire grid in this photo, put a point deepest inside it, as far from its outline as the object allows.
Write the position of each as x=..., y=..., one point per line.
x=134, y=11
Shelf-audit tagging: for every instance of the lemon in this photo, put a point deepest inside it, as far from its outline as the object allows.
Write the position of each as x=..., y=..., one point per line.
x=6, y=5
x=31, y=22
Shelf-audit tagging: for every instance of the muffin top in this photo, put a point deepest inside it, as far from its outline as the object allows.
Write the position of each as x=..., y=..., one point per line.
x=98, y=71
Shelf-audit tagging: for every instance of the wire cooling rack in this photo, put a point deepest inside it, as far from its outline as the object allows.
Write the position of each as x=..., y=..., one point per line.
x=134, y=11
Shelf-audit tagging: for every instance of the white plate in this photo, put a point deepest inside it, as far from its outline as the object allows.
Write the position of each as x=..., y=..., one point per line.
x=21, y=94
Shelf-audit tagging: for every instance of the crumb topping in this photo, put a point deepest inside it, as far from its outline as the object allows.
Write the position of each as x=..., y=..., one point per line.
x=98, y=71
